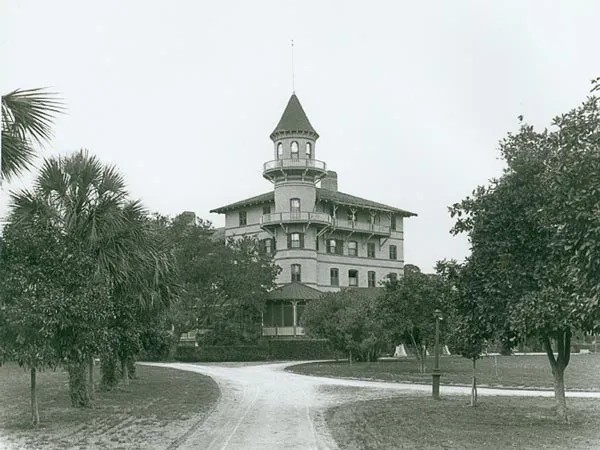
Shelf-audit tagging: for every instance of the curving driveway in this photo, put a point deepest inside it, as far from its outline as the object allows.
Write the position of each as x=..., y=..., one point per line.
x=262, y=406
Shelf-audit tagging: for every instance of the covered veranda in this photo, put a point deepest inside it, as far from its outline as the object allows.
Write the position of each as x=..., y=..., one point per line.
x=284, y=309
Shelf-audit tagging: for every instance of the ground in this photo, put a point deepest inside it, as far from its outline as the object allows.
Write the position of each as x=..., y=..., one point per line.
x=497, y=423
x=264, y=406
x=513, y=371
x=152, y=412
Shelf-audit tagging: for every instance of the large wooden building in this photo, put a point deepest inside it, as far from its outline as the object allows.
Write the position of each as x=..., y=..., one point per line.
x=323, y=239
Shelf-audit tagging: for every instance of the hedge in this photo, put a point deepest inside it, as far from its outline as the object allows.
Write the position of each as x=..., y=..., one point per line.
x=267, y=350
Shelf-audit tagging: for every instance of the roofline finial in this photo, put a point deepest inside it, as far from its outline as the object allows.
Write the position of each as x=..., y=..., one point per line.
x=293, y=73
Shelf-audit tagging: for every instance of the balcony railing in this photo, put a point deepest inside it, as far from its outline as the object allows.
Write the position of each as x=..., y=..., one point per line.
x=282, y=331
x=361, y=226
x=295, y=164
x=287, y=217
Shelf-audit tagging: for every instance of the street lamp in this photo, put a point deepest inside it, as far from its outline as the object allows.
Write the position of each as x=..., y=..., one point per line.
x=436, y=374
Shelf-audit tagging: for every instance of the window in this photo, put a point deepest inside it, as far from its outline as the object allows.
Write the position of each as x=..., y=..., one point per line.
x=352, y=248
x=295, y=240
x=308, y=150
x=266, y=209
x=279, y=151
x=335, y=246
x=296, y=272
x=294, y=150
x=371, y=250
x=393, y=276
x=350, y=216
x=331, y=246
x=371, y=278
x=268, y=246
x=393, y=252
x=295, y=205
x=393, y=222
x=243, y=218
x=335, y=277
x=353, y=278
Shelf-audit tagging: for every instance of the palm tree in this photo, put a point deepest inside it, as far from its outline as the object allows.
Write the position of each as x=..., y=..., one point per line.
x=27, y=118
x=87, y=202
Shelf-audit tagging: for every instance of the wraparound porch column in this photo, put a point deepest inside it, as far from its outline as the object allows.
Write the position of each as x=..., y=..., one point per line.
x=294, y=304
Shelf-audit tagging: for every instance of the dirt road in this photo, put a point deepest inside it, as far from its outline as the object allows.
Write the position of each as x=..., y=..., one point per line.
x=262, y=406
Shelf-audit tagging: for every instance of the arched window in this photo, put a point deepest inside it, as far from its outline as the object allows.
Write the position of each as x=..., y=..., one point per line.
x=308, y=150
x=294, y=205
x=279, y=150
x=294, y=150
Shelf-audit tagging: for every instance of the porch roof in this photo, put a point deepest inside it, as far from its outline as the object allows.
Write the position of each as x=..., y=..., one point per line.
x=295, y=291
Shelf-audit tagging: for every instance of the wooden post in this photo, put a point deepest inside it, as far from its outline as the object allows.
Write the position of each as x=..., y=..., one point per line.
x=294, y=304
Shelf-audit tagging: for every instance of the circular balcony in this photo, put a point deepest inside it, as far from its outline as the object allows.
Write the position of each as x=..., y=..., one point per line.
x=295, y=217
x=305, y=168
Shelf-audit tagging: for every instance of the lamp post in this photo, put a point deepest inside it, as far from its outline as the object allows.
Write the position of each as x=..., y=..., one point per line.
x=436, y=374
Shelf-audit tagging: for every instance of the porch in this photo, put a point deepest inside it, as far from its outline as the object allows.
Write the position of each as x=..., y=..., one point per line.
x=283, y=312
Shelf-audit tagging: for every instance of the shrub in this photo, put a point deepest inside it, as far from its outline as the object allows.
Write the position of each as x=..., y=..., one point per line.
x=266, y=350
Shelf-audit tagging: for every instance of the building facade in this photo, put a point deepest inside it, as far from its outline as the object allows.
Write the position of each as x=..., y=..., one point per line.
x=323, y=239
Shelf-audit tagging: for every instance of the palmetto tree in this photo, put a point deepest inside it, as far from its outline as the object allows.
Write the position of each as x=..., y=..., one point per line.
x=87, y=202
x=27, y=118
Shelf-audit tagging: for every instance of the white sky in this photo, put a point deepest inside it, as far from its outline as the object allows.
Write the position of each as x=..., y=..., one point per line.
x=410, y=98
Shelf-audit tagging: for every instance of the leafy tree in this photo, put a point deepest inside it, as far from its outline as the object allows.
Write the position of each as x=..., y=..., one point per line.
x=468, y=334
x=47, y=286
x=534, y=234
x=349, y=320
x=86, y=202
x=407, y=309
x=224, y=285
x=27, y=118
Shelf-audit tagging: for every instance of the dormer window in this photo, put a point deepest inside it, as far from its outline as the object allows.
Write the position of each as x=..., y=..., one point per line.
x=279, y=151
x=294, y=150
x=308, y=150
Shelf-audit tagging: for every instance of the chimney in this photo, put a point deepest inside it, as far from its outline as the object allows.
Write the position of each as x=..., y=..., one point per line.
x=330, y=181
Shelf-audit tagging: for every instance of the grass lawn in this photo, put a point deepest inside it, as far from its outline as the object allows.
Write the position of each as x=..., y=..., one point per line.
x=582, y=373
x=497, y=423
x=153, y=411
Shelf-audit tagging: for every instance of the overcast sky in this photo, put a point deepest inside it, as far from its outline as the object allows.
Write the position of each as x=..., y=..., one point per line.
x=410, y=98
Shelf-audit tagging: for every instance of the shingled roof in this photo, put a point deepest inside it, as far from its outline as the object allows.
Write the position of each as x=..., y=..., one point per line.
x=294, y=119
x=323, y=195
x=295, y=291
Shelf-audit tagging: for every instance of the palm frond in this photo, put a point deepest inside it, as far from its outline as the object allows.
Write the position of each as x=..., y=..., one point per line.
x=27, y=117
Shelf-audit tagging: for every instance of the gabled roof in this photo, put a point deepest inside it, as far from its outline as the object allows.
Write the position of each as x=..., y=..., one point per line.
x=323, y=195
x=294, y=119
x=294, y=291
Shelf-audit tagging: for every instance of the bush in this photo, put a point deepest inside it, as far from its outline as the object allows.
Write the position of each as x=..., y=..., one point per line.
x=301, y=349
x=222, y=353
x=266, y=350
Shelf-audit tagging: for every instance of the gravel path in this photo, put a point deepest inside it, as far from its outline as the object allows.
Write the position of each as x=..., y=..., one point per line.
x=262, y=406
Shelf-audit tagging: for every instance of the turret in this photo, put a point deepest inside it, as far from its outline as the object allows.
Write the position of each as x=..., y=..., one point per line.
x=294, y=141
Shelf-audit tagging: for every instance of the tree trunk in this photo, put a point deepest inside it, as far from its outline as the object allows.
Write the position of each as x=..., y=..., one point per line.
x=35, y=413
x=124, y=371
x=559, y=394
x=92, y=388
x=131, y=369
x=559, y=364
x=108, y=366
x=474, y=387
x=78, y=389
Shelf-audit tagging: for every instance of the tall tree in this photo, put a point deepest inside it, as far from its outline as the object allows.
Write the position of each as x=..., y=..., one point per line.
x=86, y=202
x=49, y=290
x=534, y=236
x=27, y=119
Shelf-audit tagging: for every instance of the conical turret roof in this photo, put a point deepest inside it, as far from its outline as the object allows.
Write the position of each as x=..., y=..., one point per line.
x=294, y=119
